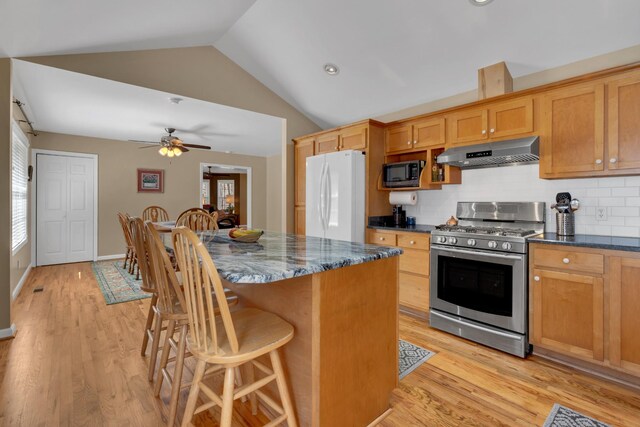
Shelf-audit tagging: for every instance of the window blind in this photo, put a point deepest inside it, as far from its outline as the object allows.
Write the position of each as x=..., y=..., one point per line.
x=19, y=187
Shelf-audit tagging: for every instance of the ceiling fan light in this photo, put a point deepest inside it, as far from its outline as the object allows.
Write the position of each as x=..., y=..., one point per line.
x=178, y=152
x=163, y=151
x=170, y=153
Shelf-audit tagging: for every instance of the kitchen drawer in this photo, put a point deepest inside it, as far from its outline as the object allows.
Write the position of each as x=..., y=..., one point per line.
x=414, y=291
x=380, y=238
x=571, y=260
x=414, y=241
x=415, y=261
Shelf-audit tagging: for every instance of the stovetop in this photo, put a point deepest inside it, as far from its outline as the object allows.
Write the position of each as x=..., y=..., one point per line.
x=488, y=231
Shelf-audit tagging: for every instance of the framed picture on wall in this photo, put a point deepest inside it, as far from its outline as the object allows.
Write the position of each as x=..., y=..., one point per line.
x=150, y=181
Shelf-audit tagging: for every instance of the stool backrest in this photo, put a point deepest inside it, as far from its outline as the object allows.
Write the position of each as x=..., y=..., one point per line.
x=201, y=285
x=155, y=214
x=167, y=283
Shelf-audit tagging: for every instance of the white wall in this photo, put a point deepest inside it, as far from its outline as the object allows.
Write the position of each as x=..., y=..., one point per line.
x=621, y=196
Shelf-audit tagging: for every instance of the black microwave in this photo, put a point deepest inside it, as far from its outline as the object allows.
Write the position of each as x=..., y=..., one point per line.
x=402, y=174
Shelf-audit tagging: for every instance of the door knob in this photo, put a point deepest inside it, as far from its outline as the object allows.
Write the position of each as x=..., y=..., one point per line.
x=408, y=142
x=536, y=278
x=598, y=161
x=412, y=242
x=484, y=131
x=492, y=130
x=566, y=260
x=381, y=239
x=415, y=141
x=613, y=160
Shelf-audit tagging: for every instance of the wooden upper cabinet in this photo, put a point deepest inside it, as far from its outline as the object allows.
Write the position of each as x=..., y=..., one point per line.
x=428, y=133
x=624, y=123
x=328, y=143
x=301, y=150
x=511, y=118
x=568, y=313
x=398, y=139
x=573, y=135
x=624, y=322
x=468, y=126
x=354, y=139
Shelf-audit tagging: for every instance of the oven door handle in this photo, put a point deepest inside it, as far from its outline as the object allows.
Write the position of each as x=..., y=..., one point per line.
x=487, y=254
x=478, y=327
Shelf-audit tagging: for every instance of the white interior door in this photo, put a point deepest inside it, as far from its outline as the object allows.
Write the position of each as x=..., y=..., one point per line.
x=64, y=209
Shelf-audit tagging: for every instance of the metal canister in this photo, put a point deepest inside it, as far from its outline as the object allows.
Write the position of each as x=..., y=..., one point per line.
x=565, y=224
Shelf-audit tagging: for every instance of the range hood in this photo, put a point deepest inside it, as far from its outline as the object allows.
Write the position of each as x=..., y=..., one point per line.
x=493, y=154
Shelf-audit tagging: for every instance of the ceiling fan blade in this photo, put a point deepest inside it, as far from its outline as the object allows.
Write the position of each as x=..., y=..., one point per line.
x=202, y=147
x=148, y=146
x=181, y=148
x=146, y=142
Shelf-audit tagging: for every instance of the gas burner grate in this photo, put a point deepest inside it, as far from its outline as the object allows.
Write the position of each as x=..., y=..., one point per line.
x=494, y=231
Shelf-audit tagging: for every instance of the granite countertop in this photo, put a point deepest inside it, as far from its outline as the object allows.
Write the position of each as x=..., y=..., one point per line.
x=418, y=228
x=631, y=244
x=278, y=256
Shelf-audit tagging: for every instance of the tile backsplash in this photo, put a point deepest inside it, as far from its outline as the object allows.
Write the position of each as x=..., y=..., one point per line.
x=619, y=195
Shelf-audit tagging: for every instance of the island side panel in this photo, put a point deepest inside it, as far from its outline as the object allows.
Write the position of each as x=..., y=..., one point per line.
x=356, y=309
x=291, y=300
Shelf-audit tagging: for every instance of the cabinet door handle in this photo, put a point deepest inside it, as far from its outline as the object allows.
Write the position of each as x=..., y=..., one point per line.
x=536, y=278
x=412, y=242
x=381, y=239
x=337, y=148
x=492, y=130
x=484, y=131
x=598, y=161
x=415, y=141
x=613, y=160
x=566, y=260
x=408, y=142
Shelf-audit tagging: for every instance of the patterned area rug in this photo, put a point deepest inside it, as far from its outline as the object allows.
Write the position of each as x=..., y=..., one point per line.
x=411, y=356
x=562, y=416
x=116, y=284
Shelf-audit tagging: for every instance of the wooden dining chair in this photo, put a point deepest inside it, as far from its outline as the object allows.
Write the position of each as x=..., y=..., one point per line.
x=130, y=256
x=227, y=340
x=171, y=308
x=198, y=220
x=142, y=245
x=155, y=214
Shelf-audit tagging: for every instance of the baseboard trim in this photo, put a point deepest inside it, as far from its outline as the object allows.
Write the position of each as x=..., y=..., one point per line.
x=23, y=279
x=109, y=257
x=8, y=333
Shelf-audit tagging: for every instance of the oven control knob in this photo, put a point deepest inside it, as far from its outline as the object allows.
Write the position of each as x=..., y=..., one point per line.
x=492, y=244
x=506, y=246
x=471, y=242
x=453, y=240
x=442, y=239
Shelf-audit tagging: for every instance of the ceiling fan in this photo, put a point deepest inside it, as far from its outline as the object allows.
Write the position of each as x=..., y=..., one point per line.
x=171, y=146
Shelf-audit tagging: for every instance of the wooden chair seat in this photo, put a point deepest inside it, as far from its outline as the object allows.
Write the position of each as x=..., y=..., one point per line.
x=259, y=332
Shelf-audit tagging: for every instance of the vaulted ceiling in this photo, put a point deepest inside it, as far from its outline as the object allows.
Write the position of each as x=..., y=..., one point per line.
x=391, y=54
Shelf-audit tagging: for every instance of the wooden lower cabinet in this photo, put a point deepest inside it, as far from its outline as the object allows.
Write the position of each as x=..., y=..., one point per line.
x=591, y=315
x=568, y=313
x=300, y=220
x=414, y=266
x=624, y=319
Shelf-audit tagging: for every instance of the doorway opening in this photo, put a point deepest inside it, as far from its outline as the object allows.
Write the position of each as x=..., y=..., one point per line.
x=226, y=189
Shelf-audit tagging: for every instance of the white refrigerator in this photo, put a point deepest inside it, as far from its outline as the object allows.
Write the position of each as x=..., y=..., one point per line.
x=335, y=196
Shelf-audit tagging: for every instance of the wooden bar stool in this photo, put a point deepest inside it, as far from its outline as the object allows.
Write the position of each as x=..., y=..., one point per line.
x=171, y=308
x=155, y=214
x=142, y=245
x=198, y=220
x=214, y=338
x=130, y=256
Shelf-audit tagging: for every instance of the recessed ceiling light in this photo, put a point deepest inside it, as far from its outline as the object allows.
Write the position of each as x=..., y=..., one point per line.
x=480, y=2
x=331, y=69
x=175, y=100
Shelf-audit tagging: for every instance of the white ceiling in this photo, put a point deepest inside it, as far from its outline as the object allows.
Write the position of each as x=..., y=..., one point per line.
x=392, y=54
x=77, y=104
x=45, y=27
x=397, y=54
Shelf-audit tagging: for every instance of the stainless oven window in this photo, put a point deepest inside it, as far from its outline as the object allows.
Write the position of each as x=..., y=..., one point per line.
x=477, y=285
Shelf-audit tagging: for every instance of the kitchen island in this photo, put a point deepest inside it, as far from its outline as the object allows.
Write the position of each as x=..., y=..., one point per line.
x=342, y=299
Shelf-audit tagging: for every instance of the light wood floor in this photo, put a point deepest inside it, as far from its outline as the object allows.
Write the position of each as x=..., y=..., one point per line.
x=76, y=361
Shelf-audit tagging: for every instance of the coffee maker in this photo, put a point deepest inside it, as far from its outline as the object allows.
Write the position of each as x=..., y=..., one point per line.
x=399, y=216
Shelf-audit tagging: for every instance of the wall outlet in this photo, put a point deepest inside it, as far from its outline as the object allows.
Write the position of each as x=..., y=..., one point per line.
x=601, y=214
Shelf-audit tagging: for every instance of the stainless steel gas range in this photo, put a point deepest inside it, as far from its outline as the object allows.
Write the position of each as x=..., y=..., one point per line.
x=479, y=285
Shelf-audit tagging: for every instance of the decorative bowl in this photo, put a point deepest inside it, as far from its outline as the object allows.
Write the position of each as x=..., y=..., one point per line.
x=245, y=236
